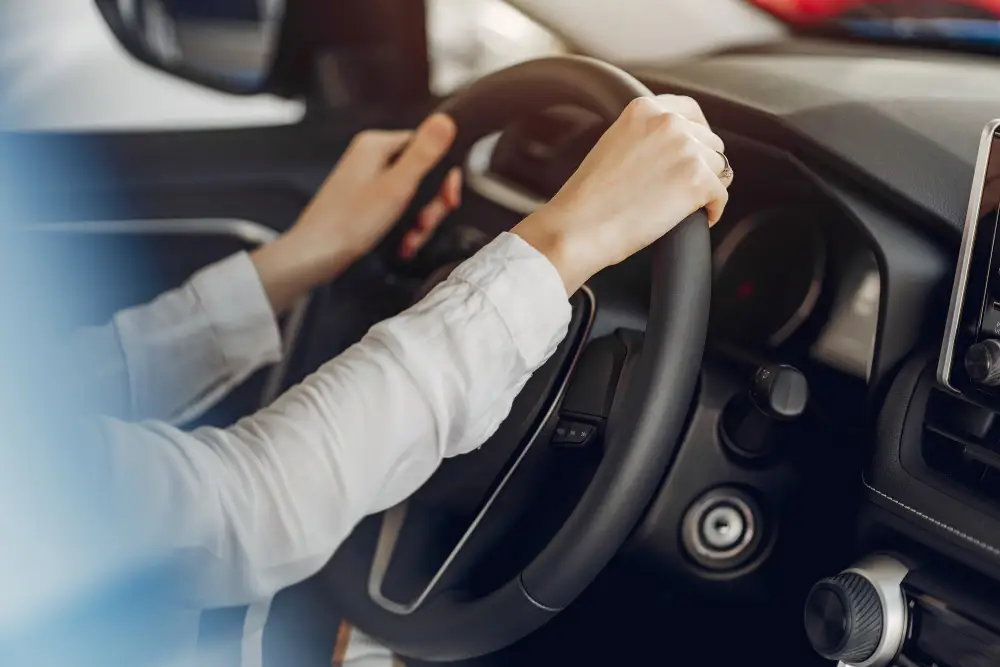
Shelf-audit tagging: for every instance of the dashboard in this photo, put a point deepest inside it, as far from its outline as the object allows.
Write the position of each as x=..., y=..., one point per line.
x=835, y=258
x=819, y=436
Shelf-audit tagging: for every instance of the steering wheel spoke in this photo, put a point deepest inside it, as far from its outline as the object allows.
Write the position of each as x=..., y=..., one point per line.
x=538, y=413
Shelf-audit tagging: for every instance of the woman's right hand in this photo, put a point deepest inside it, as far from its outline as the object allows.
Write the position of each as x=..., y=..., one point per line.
x=656, y=165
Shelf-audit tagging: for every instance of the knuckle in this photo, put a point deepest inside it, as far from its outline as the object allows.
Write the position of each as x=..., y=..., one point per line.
x=363, y=138
x=702, y=176
x=689, y=151
x=668, y=124
x=640, y=107
x=687, y=102
x=691, y=106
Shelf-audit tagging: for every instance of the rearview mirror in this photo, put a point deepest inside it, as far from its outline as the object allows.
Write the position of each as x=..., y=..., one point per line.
x=229, y=45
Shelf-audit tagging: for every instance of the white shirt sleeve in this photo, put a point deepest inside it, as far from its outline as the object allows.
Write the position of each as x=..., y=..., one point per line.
x=175, y=357
x=265, y=503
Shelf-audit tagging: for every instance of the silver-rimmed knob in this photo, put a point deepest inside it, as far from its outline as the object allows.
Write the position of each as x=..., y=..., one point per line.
x=859, y=617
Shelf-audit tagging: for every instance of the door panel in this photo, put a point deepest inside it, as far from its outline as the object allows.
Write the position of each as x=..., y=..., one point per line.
x=150, y=209
x=149, y=257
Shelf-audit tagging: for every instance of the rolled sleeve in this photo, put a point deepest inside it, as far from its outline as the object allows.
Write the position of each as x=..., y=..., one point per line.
x=527, y=292
x=236, y=309
x=265, y=503
x=189, y=347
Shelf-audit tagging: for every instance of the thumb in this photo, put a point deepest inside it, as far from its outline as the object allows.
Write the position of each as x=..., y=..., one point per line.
x=430, y=143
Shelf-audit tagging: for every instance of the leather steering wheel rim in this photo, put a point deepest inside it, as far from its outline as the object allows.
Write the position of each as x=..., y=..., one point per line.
x=641, y=439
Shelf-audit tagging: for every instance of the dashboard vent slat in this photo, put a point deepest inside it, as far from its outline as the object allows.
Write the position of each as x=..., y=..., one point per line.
x=962, y=442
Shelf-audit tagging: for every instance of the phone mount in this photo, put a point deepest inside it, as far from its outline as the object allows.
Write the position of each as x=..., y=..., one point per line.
x=969, y=363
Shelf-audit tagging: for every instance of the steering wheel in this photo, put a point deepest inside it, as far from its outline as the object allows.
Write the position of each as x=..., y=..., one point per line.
x=642, y=430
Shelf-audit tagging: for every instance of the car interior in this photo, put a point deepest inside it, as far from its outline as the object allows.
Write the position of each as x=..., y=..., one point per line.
x=775, y=441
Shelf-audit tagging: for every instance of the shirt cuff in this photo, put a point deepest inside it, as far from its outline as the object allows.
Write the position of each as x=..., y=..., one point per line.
x=527, y=292
x=236, y=306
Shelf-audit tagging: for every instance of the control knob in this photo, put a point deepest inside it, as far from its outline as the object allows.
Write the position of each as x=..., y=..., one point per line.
x=859, y=616
x=982, y=362
x=757, y=423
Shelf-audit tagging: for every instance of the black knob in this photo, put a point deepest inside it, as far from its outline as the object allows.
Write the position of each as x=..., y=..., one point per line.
x=780, y=392
x=982, y=362
x=844, y=618
x=756, y=424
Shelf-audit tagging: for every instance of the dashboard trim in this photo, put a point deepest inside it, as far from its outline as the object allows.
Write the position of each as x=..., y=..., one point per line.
x=989, y=548
x=965, y=256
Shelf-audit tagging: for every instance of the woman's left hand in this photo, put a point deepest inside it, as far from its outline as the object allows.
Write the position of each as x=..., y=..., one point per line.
x=357, y=205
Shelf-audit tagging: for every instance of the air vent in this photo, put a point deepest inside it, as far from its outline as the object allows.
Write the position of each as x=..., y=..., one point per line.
x=962, y=442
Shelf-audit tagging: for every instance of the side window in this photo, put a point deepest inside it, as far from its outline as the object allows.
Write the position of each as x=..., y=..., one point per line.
x=64, y=70
x=70, y=73
x=470, y=38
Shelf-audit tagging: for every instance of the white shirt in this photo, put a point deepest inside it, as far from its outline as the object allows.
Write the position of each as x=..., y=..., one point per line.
x=265, y=503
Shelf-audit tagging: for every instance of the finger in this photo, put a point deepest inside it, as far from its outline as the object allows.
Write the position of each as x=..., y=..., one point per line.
x=713, y=159
x=718, y=197
x=430, y=143
x=705, y=135
x=428, y=221
x=374, y=148
x=682, y=105
x=451, y=189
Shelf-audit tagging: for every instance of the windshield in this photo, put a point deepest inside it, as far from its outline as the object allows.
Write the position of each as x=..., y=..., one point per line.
x=973, y=24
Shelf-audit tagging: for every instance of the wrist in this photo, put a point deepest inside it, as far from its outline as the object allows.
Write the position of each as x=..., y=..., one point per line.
x=293, y=264
x=549, y=233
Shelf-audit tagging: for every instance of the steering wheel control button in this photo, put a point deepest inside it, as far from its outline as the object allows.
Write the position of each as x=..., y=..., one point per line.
x=722, y=529
x=843, y=618
x=982, y=362
x=572, y=434
x=780, y=392
x=754, y=425
x=859, y=617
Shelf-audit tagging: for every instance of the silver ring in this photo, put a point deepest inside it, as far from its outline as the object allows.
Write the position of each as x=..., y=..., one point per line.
x=727, y=171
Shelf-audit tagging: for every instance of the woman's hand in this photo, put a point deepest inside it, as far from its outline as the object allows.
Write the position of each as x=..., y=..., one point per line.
x=656, y=165
x=357, y=205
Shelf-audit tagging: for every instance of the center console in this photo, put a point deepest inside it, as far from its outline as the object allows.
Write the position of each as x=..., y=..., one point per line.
x=933, y=484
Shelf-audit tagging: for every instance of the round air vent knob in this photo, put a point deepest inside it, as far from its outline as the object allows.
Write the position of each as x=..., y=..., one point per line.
x=982, y=362
x=859, y=617
x=844, y=618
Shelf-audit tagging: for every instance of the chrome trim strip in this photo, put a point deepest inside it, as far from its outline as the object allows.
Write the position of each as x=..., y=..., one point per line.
x=965, y=256
x=480, y=180
x=251, y=233
x=533, y=601
x=274, y=384
x=393, y=519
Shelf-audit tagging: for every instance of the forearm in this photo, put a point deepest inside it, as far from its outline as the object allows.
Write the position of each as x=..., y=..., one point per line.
x=272, y=497
x=293, y=264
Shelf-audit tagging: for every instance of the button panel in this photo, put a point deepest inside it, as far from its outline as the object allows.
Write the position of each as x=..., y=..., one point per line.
x=572, y=433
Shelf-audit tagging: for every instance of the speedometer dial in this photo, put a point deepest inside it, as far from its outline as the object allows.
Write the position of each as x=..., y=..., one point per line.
x=768, y=276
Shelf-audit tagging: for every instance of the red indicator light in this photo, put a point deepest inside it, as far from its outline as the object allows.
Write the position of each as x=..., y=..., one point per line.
x=745, y=290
